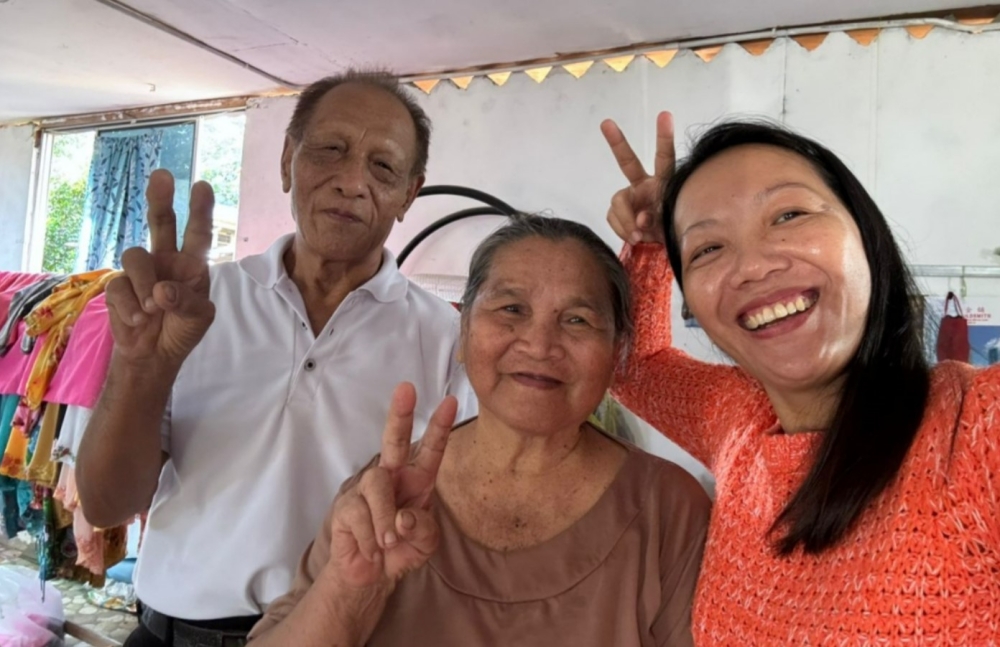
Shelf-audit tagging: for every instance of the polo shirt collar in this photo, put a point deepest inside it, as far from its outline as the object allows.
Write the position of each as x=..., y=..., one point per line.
x=268, y=269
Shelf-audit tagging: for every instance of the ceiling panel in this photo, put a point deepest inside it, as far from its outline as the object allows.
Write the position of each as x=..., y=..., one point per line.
x=77, y=56
x=318, y=36
x=74, y=56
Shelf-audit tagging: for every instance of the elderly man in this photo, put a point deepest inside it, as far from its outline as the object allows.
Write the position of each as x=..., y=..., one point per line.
x=241, y=396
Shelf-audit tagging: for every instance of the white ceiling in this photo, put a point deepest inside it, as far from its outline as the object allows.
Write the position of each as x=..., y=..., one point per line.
x=74, y=56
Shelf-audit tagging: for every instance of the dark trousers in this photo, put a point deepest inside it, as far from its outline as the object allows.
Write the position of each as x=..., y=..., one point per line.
x=143, y=637
x=227, y=632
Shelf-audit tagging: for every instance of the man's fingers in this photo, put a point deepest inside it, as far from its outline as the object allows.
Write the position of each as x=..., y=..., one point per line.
x=398, y=431
x=122, y=302
x=666, y=154
x=418, y=528
x=161, y=216
x=140, y=268
x=353, y=515
x=180, y=299
x=627, y=161
x=198, y=233
x=435, y=438
x=376, y=488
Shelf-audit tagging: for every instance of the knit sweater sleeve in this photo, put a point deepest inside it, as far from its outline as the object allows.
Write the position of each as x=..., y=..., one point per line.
x=695, y=404
x=980, y=420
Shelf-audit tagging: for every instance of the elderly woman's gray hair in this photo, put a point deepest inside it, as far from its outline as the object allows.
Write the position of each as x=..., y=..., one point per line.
x=524, y=226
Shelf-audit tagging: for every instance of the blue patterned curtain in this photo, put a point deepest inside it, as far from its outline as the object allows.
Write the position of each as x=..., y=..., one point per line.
x=114, y=215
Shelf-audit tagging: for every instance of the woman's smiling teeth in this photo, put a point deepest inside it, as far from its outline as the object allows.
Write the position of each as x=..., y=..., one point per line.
x=776, y=312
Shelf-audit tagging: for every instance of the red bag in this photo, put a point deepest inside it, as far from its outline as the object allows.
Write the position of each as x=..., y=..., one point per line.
x=953, y=335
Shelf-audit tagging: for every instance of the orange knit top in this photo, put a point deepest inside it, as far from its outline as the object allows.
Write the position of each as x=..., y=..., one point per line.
x=922, y=566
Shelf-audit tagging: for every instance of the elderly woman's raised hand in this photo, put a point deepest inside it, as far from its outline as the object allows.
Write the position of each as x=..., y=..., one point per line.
x=635, y=210
x=382, y=528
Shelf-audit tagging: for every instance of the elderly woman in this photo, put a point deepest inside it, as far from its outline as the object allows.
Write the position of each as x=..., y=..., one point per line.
x=858, y=490
x=525, y=526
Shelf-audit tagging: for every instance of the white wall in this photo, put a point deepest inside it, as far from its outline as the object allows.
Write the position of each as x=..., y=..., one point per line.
x=917, y=120
x=264, y=212
x=16, y=156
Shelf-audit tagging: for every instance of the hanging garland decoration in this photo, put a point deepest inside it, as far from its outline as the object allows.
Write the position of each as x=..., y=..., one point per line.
x=971, y=21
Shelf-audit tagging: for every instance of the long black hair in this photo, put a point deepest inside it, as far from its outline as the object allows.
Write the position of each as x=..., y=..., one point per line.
x=887, y=381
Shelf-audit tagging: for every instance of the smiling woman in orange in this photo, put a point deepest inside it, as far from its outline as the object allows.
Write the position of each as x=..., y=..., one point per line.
x=858, y=489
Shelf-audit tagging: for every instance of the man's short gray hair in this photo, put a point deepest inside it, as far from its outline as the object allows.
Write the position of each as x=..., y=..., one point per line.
x=381, y=79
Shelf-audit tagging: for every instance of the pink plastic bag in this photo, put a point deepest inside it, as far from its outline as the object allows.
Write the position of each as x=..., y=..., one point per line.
x=25, y=620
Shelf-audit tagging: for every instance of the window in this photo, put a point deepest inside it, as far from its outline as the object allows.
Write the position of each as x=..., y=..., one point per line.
x=205, y=148
x=218, y=161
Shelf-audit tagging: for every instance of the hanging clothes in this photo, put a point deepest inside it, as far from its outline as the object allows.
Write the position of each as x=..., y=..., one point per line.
x=10, y=284
x=81, y=374
x=71, y=430
x=29, y=458
x=42, y=470
x=8, y=487
x=46, y=398
x=19, y=293
x=15, y=366
x=56, y=316
x=16, y=453
x=29, y=499
x=23, y=302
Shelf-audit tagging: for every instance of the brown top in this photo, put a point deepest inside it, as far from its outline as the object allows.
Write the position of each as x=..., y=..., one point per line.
x=623, y=575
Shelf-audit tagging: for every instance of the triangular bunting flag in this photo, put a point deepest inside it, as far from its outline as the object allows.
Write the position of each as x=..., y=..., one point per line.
x=864, y=37
x=539, y=73
x=708, y=53
x=619, y=63
x=757, y=47
x=976, y=16
x=919, y=31
x=462, y=82
x=427, y=85
x=578, y=69
x=661, y=58
x=810, y=41
x=976, y=21
x=499, y=78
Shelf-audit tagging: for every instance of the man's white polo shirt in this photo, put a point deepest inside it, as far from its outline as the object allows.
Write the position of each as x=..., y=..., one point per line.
x=267, y=419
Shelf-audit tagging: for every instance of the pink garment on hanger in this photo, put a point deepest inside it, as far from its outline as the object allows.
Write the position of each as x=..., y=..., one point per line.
x=10, y=283
x=15, y=366
x=84, y=365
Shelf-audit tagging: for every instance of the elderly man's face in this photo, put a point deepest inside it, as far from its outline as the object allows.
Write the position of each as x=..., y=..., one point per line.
x=351, y=175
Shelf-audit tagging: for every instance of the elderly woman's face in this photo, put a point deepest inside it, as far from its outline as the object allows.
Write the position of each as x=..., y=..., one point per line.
x=539, y=340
